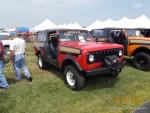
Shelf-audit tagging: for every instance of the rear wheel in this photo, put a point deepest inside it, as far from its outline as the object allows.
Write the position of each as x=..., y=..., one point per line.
x=73, y=78
x=41, y=63
x=142, y=61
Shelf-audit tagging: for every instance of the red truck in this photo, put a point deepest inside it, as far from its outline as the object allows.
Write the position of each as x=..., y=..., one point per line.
x=77, y=55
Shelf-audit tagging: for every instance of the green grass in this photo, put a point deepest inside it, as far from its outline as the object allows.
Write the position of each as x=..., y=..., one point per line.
x=48, y=94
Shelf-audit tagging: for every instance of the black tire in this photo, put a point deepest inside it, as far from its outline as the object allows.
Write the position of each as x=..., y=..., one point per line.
x=114, y=74
x=41, y=63
x=76, y=76
x=142, y=61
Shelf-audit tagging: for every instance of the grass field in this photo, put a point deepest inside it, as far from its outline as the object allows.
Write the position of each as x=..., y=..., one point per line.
x=48, y=94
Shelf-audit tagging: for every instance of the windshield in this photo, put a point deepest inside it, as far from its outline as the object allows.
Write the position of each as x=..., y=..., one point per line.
x=71, y=35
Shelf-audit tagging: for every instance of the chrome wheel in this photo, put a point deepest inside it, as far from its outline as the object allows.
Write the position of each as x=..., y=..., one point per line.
x=40, y=62
x=70, y=78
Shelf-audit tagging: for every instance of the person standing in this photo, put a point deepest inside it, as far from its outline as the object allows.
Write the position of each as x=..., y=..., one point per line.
x=3, y=82
x=17, y=53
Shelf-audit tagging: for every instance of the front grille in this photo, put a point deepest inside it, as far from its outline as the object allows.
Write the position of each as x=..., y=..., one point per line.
x=100, y=55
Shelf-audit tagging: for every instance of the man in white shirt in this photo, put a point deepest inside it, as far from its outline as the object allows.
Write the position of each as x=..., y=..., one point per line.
x=17, y=49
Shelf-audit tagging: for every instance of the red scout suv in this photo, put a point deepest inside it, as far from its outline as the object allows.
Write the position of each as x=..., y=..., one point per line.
x=75, y=52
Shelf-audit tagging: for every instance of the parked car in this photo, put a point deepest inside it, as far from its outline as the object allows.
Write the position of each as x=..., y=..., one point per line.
x=136, y=43
x=4, y=37
x=77, y=55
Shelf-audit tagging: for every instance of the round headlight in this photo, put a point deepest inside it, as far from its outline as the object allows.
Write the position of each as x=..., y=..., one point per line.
x=120, y=53
x=91, y=58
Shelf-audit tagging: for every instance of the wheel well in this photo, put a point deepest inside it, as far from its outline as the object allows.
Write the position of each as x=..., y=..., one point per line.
x=142, y=49
x=69, y=62
x=6, y=45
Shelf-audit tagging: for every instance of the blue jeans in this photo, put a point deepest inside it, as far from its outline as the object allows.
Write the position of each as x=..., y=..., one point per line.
x=3, y=82
x=19, y=63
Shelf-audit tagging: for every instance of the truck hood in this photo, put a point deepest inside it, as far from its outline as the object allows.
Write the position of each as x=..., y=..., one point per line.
x=90, y=46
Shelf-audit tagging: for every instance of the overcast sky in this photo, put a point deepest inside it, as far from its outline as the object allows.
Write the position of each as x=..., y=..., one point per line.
x=31, y=12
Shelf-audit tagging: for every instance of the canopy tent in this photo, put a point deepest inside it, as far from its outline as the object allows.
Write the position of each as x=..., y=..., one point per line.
x=62, y=25
x=10, y=29
x=102, y=24
x=70, y=26
x=97, y=24
x=22, y=29
x=74, y=26
x=47, y=24
x=109, y=23
x=124, y=23
x=140, y=22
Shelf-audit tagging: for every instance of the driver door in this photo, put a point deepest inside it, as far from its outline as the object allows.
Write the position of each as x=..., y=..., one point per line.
x=52, y=51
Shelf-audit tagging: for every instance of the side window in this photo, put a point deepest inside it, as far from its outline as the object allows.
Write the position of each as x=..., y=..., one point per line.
x=40, y=36
x=131, y=32
x=99, y=34
x=134, y=33
x=43, y=36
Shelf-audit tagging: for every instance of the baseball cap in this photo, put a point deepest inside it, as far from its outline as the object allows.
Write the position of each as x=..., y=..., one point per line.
x=13, y=33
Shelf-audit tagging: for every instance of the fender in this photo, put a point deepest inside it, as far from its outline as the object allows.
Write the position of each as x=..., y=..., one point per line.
x=69, y=58
x=142, y=48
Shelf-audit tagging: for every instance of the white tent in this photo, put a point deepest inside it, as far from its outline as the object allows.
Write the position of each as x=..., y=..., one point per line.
x=97, y=24
x=70, y=26
x=102, y=24
x=47, y=24
x=62, y=25
x=124, y=23
x=140, y=22
x=74, y=26
x=10, y=29
x=108, y=23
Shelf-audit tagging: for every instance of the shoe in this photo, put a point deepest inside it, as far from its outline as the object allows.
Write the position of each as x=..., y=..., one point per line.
x=7, y=87
x=29, y=79
x=18, y=80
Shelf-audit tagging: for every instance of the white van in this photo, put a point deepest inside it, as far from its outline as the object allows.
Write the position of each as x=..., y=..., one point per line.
x=4, y=37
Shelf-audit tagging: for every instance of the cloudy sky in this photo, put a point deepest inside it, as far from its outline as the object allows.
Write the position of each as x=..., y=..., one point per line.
x=32, y=12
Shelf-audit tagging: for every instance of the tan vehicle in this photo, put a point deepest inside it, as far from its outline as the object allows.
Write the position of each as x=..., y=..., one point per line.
x=136, y=43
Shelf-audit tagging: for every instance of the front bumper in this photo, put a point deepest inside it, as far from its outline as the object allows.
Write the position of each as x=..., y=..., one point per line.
x=106, y=69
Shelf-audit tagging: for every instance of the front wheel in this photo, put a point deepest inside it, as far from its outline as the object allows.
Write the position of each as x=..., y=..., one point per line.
x=73, y=78
x=41, y=63
x=114, y=73
x=142, y=61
